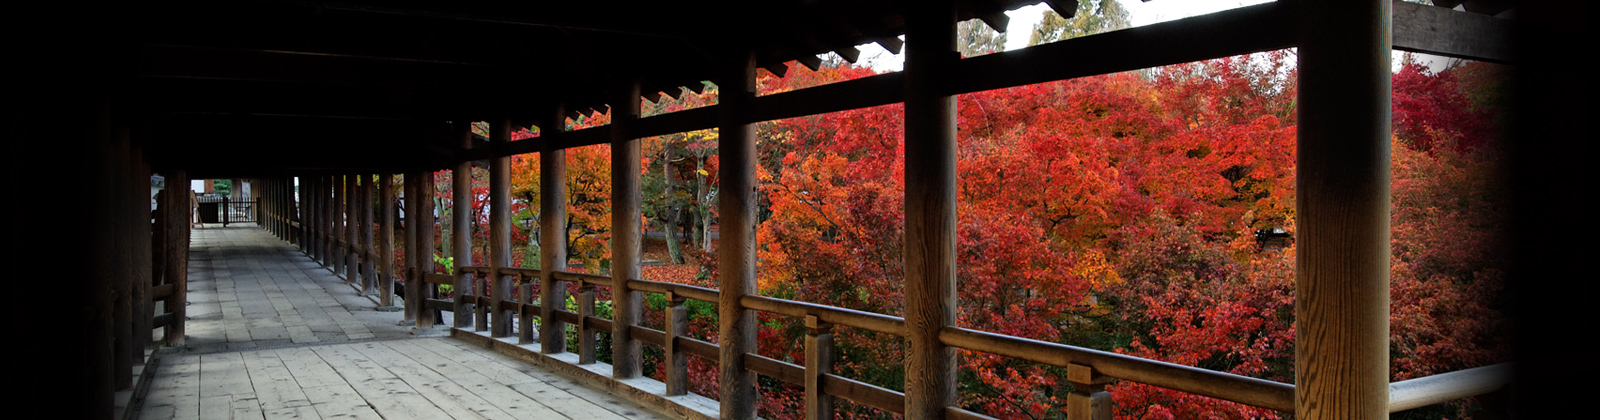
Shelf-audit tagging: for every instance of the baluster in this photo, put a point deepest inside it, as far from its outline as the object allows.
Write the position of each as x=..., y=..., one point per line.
x=481, y=291
x=586, y=335
x=676, y=360
x=1088, y=399
x=819, y=363
x=524, y=316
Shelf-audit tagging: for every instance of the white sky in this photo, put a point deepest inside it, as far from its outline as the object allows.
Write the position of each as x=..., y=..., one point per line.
x=1140, y=13
x=1022, y=20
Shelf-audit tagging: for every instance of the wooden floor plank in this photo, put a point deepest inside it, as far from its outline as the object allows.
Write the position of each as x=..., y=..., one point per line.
x=448, y=395
x=388, y=395
x=552, y=390
x=278, y=394
x=340, y=402
x=224, y=374
x=512, y=402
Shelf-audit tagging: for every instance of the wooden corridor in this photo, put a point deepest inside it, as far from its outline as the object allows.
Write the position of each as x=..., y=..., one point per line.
x=310, y=97
x=273, y=335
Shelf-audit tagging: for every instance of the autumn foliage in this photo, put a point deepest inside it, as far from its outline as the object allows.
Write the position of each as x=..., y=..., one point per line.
x=1127, y=212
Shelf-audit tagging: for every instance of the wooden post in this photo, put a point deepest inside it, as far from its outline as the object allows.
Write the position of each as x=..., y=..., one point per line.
x=586, y=335
x=736, y=252
x=121, y=279
x=352, y=231
x=314, y=218
x=326, y=199
x=552, y=235
x=930, y=182
x=461, y=241
x=1088, y=399
x=1342, y=185
x=481, y=312
x=426, y=318
x=499, y=228
x=524, y=319
x=336, y=216
x=177, y=268
x=142, y=255
x=369, y=275
x=413, y=286
x=96, y=335
x=677, y=362
x=625, y=213
x=303, y=212
x=819, y=363
x=386, y=228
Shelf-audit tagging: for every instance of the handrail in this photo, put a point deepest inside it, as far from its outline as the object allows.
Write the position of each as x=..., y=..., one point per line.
x=582, y=277
x=1241, y=389
x=1429, y=390
x=692, y=292
x=847, y=317
x=524, y=272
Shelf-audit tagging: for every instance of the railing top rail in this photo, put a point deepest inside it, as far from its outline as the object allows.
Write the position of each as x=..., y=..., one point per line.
x=1227, y=386
x=841, y=316
x=692, y=292
x=1413, y=393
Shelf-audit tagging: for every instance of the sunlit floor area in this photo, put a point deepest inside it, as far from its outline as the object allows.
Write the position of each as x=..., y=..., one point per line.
x=272, y=335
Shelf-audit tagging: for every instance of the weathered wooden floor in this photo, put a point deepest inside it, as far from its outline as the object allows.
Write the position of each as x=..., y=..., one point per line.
x=272, y=335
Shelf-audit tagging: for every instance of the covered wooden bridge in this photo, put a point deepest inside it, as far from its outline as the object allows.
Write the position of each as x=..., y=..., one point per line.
x=330, y=92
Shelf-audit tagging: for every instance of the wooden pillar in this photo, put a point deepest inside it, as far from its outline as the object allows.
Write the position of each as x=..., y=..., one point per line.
x=336, y=217
x=673, y=356
x=352, y=230
x=819, y=363
x=461, y=240
x=142, y=254
x=369, y=275
x=121, y=279
x=94, y=316
x=302, y=194
x=426, y=318
x=930, y=182
x=1342, y=212
x=552, y=234
x=625, y=213
x=269, y=206
x=313, y=219
x=325, y=220
x=413, y=286
x=736, y=252
x=280, y=206
x=176, y=271
x=386, y=238
x=499, y=228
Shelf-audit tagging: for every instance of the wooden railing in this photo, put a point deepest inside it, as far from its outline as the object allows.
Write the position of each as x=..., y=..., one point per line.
x=1088, y=370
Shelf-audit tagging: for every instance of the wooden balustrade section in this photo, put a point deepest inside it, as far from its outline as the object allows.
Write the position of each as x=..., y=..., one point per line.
x=1088, y=369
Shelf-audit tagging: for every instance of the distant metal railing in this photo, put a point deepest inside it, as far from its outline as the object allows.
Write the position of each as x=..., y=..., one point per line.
x=223, y=209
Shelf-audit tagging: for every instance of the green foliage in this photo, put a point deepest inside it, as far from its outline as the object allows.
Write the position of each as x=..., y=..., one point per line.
x=449, y=267
x=602, y=343
x=1092, y=17
x=222, y=186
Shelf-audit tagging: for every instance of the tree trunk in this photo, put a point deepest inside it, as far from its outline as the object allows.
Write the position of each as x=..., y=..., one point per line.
x=702, y=196
x=670, y=231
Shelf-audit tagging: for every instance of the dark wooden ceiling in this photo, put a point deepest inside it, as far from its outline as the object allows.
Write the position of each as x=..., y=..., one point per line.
x=262, y=87
x=369, y=84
